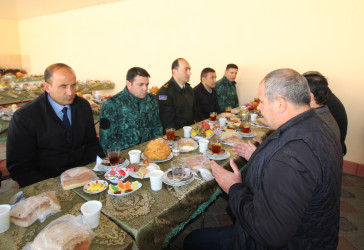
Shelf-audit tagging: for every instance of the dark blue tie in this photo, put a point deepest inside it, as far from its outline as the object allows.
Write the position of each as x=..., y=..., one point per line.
x=66, y=121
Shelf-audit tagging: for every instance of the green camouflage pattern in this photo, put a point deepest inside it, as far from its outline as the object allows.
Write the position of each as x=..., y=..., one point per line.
x=226, y=94
x=126, y=121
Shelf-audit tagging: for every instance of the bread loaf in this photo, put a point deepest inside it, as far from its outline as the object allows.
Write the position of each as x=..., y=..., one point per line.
x=66, y=232
x=26, y=212
x=157, y=149
x=76, y=177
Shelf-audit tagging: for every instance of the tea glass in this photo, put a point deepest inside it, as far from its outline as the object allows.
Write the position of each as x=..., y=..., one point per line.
x=114, y=156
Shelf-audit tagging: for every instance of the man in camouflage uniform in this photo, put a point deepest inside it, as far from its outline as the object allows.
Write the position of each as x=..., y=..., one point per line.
x=131, y=116
x=177, y=104
x=226, y=89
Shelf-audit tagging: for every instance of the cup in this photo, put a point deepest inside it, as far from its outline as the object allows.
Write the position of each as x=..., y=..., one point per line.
x=246, y=128
x=203, y=145
x=213, y=116
x=228, y=109
x=222, y=121
x=91, y=212
x=216, y=148
x=156, y=180
x=114, y=156
x=4, y=217
x=187, y=131
x=134, y=156
x=178, y=169
x=175, y=149
x=170, y=134
x=253, y=117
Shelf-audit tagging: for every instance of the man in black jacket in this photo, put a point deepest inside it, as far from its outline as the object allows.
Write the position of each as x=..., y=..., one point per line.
x=53, y=133
x=205, y=94
x=335, y=106
x=289, y=195
x=177, y=105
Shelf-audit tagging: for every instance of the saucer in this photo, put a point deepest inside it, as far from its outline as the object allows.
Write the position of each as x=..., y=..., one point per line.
x=176, y=138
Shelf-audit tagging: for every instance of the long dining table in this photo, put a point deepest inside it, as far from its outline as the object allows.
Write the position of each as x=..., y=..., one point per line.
x=145, y=219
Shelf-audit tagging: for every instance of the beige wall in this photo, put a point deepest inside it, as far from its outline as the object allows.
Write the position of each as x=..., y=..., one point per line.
x=9, y=45
x=259, y=36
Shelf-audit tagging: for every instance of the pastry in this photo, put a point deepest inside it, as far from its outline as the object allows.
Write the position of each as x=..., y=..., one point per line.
x=142, y=172
x=157, y=149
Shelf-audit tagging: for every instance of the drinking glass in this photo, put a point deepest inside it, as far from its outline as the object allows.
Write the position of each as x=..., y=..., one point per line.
x=114, y=156
x=175, y=149
x=178, y=169
x=170, y=134
x=213, y=116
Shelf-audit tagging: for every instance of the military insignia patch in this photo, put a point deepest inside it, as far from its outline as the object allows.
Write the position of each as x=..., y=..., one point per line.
x=166, y=85
x=163, y=97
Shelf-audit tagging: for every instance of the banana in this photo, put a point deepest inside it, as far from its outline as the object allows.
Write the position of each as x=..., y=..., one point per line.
x=90, y=188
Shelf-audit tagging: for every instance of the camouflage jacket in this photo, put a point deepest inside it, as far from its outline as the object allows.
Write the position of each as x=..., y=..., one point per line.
x=126, y=121
x=226, y=94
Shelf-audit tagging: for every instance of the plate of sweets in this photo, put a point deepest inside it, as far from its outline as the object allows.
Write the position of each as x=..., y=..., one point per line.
x=122, y=189
x=95, y=187
x=142, y=170
x=233, y=126
x=114, y=175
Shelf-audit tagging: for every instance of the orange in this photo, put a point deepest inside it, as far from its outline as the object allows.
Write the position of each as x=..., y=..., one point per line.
x=121, y=185
x=127, y=185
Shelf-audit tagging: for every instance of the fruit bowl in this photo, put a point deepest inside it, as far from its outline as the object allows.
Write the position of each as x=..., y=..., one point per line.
x=196, y=138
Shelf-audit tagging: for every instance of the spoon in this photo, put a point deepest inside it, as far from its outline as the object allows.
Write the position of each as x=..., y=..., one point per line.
x=16, y=198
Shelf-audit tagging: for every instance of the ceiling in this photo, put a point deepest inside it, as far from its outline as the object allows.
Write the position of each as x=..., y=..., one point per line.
x=22, y=9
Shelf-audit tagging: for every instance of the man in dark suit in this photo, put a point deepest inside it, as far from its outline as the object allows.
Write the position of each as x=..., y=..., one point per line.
x=53, y=133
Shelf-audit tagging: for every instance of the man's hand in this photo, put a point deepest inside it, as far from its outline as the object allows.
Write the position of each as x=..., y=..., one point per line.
x=244, y=150
x=258, y=139
x=225, y=178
